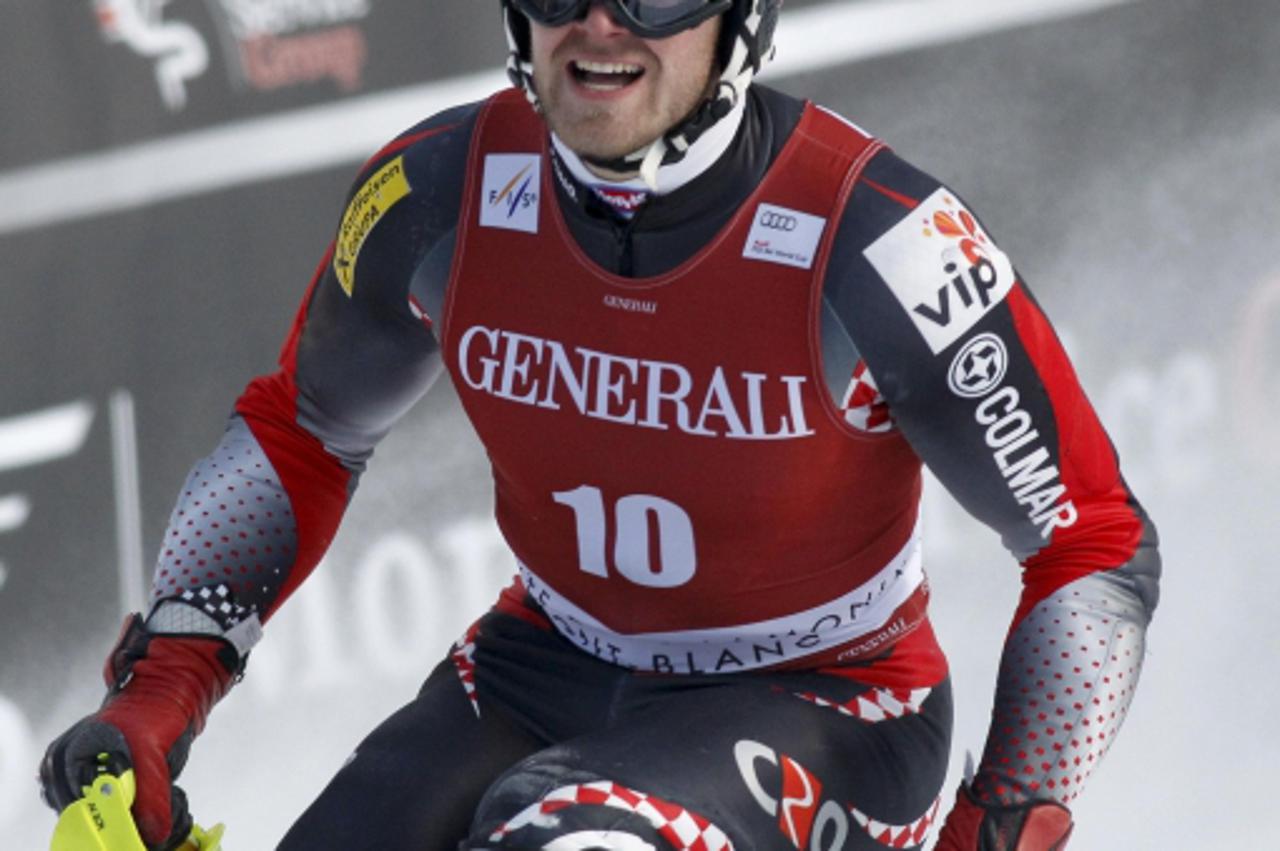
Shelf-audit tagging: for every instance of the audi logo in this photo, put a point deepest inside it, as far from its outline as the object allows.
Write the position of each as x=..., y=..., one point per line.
x=779, y=221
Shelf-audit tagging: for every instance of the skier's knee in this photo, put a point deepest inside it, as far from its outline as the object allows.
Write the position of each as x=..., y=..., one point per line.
x=543, y=805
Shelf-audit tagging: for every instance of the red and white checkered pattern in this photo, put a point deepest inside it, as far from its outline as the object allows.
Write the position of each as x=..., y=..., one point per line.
x=881, y=704
x=685, y=830
x=625, y=201
x=464, y=650
x=863, y=406
x=898, y=835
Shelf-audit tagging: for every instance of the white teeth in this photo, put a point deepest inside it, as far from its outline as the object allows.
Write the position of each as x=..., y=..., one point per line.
x=607, y=67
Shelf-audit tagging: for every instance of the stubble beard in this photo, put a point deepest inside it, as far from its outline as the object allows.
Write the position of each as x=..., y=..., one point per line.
x=600, y=132
x=610, y=131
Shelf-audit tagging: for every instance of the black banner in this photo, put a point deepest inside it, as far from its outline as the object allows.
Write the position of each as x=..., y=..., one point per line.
x=90, y=74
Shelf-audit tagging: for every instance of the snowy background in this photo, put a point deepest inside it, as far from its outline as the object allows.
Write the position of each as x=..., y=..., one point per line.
x=163, y=201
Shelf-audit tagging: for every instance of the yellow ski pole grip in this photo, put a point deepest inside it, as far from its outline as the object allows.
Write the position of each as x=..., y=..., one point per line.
x=101, y=821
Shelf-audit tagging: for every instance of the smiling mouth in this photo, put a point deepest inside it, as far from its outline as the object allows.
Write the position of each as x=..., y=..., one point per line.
x=604, y=76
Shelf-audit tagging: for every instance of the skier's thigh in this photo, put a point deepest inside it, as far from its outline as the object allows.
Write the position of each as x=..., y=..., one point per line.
x=780, y=763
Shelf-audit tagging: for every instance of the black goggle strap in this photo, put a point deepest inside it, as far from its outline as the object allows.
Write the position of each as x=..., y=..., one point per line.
x=745, y=56
x=519, y=70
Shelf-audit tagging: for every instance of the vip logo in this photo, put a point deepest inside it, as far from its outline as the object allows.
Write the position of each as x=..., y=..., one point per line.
x=179, y=51
x=944, y=270
x=978, y=367
x=510, y=192
x=968, y=253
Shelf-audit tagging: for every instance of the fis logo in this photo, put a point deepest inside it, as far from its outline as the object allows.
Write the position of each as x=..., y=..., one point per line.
x=944, y=270
x=510, y=192
x=178, y=49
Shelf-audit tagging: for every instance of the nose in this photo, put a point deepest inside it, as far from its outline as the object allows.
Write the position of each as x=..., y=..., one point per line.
x=599, y=19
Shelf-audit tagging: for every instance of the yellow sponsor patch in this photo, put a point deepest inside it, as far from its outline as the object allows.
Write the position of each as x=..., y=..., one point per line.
x=379, y=194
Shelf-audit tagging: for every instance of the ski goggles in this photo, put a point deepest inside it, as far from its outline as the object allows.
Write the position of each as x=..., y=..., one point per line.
x=645, y=18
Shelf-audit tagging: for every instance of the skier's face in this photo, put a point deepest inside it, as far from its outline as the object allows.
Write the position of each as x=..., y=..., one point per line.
x=607, y=92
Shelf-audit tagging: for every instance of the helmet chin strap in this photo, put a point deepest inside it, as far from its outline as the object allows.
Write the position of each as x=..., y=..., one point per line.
x=675, y=144
x=663, y=174
x=652, y=161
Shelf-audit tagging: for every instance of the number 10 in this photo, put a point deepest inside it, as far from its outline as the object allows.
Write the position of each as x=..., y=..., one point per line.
x=632, y=552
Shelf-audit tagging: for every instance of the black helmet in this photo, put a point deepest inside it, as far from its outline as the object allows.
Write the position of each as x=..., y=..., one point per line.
x=746, y=45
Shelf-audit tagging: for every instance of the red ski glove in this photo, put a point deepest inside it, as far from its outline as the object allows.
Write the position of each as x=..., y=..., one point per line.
x=161, y=688
x=1034, y=826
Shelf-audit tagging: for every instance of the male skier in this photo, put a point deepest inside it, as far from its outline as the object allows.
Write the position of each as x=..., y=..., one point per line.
x=707, y=333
